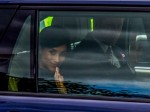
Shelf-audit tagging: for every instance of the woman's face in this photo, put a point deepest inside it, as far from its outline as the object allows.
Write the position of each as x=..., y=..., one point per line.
x=52, y=57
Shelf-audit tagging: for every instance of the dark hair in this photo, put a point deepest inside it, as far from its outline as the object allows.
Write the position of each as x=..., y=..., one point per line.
x=53, y=37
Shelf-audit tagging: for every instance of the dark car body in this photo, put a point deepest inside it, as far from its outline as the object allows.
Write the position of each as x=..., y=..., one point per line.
x=116, y=96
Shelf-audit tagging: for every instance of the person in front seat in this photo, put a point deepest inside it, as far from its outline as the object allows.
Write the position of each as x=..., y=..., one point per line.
x=98, y=57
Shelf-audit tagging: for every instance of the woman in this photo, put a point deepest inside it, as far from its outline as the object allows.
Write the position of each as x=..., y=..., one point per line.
x=54, y=44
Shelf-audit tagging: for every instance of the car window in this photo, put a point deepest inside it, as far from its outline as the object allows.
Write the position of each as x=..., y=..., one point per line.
x=19, y=70
x=107, y=53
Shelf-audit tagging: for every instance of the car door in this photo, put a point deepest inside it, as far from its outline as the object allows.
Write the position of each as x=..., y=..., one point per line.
x=98, y=70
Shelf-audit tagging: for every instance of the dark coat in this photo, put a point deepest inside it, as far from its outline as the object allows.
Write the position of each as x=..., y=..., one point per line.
x=89, y=62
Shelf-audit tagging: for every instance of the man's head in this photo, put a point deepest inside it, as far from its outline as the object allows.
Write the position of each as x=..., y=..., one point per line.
x=54, y=43
x=108, y=29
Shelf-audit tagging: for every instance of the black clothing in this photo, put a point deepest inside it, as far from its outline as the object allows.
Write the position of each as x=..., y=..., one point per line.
x=92, y=60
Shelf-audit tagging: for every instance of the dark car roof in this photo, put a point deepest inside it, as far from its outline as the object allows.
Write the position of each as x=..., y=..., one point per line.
x=105, y=2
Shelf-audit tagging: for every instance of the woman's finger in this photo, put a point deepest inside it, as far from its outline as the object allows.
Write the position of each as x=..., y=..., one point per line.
x=56, y=74
x=57, y=70
x=62, y=78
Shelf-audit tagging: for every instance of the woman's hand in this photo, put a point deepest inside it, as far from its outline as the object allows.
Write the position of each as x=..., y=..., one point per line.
x=58, y=76
x=59, y=82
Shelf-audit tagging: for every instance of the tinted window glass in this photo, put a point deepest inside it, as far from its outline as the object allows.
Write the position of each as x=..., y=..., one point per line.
x=19, y=72
x=6, y=16
x=106, y=53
